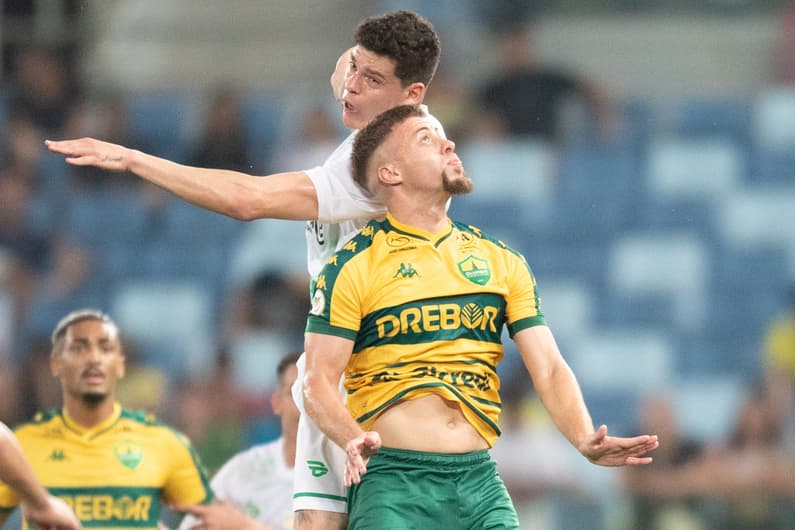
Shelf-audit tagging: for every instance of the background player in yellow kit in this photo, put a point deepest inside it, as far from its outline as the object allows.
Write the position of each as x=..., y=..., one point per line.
x=113, y=467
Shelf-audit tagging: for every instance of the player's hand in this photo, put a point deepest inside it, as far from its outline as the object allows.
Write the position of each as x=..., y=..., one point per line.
x=357, y=454
x=340, y=75
x=220, y=515
x=605, y=450
x=54, y=514
x=92, y=152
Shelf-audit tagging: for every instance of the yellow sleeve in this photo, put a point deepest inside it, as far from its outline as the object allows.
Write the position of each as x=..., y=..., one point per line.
x=187, y=481
x=523, y=309
x=8, y=499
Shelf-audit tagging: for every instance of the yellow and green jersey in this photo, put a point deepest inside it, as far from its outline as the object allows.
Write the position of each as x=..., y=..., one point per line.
x=426, y=314
x=116, y=474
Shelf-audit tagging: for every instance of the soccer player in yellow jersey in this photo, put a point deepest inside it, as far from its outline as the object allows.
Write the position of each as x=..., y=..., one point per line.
x=411, y=311
x=38, y=506
x=113, y=467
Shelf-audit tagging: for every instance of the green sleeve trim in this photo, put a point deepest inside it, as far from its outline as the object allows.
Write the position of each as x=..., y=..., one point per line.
x=525, y=323
x=319, y=325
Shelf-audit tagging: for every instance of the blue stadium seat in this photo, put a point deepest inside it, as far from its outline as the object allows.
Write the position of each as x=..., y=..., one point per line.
x=171, y=322
x=162, y=122
x=262, y=119
x=254, y=358
x=694, y=167
x=609, y=360
x=706, y=407
x=675, y=265
x=728, y=118
x=596, y=189
x=183, y=221
x=101, y=218
x=774, y=119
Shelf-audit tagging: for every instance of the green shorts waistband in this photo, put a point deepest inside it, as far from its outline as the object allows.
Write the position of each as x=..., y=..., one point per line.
x=439, y=459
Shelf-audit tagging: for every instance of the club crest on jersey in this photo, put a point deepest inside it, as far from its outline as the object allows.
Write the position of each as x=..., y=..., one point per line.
x=129, y=453
x=476, y=270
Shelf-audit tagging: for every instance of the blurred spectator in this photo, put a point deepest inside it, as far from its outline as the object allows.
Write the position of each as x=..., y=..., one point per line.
x=657, y=500
x=36, y=391
x=9, y=397
x=527, y=98
x=22, y=144
x=104, y=116
x=449, y=102
x=779, y=365
x=210, y=413
x=25, y=251
x=318, y=136
x=528, y=430
x=42, y=88
x=749, y=480
x=222, y=144
x=274, y=302
x=785, y=47
x=144, y=387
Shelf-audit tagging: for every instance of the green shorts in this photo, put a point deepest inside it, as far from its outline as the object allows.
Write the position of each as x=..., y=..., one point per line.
x=416, y=490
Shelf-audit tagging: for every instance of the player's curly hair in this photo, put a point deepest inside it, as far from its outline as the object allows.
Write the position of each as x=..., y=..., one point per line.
x=407, y=38
x=372, y=136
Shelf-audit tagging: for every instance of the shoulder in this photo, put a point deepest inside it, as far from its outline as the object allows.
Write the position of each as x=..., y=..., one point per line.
x=40, y=421
x=486, y=239
x=147, y=420
x=359, y=244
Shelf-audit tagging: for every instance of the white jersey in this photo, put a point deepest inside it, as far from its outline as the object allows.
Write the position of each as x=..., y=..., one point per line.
x=343, y=207
x=259, y=483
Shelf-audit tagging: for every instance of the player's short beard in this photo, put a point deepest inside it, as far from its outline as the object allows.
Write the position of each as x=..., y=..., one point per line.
x=92, y=399
x=459, y=184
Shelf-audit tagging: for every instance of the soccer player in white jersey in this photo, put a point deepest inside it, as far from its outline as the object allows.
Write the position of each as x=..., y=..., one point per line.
x=392, y=63
x=254, y=489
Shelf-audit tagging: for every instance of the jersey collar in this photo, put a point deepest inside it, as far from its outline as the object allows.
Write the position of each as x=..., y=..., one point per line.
x=90, y=432
x=418, y=232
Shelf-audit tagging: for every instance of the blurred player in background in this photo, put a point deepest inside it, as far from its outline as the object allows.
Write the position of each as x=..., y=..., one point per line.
x=38, y=506
x=254, y=489
x=113, y=467
x=392, y=63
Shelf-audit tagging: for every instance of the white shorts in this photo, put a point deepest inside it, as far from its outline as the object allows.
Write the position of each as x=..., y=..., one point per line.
x=319, y=462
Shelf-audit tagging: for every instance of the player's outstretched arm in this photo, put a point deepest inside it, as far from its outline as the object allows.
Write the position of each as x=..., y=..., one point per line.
x=559, y=391
x=238, y=195
x=38, y=506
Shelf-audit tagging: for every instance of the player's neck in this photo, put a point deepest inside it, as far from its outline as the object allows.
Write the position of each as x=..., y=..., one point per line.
x=88, y=415
x=430, y=216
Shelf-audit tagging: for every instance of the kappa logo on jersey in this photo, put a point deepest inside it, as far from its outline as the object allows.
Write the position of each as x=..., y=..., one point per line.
x=129, y=453
x=317, y=468
x=406, y=270
x=57, y=455
x=476, y=270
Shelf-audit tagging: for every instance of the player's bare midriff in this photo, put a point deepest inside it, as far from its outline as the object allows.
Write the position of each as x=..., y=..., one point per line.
x=428, y=423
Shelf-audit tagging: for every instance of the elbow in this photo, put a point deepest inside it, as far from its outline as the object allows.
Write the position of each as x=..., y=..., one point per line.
x=242, y=207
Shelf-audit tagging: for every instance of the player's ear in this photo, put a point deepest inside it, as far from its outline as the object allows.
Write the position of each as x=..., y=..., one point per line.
x=277, y=401
x=388, y=175
x=415, y=93
x=55, y=365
